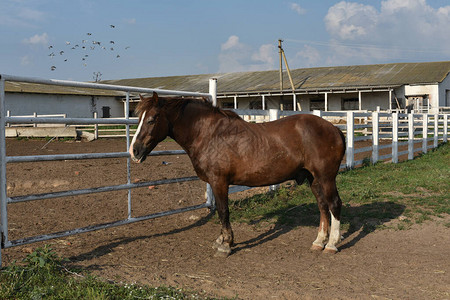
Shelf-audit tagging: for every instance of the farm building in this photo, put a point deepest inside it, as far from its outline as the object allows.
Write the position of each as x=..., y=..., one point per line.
x=397, y=86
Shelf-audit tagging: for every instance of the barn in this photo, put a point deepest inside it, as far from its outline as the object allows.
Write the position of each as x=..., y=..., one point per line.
x=422, y=87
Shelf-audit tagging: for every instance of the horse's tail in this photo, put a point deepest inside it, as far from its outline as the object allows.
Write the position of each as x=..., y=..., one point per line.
x=343, y=139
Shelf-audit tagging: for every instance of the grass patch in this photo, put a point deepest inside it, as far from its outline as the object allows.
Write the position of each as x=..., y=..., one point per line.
x=42, y=275
x=416, y=190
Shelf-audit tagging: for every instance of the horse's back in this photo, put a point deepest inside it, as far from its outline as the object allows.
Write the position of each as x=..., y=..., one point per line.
x=261, y=154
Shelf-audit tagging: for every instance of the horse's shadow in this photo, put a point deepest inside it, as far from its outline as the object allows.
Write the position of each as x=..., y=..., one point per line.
x=108, y=248
x=362, y=220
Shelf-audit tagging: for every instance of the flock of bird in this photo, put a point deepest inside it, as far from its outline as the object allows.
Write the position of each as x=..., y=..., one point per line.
x=85, y=45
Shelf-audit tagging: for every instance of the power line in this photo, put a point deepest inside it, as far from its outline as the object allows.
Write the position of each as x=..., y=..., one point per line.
x=367, y=46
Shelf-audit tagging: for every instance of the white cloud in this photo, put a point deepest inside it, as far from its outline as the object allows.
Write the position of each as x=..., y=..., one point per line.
x=297, y=8
x=407, y=29
x=236, y=56
x=349, y=20
x=25, y=60
x=37, y=39
x=265, y=54
x=232, y=42
x=31, y=14
x=308, y=57
x=131, y=21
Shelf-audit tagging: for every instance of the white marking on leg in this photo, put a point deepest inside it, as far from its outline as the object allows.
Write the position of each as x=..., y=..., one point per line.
x=322, y=236
x=335, y=234
x=135, y=135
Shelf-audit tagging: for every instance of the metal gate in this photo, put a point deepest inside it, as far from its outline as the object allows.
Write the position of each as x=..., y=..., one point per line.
x=5, y=200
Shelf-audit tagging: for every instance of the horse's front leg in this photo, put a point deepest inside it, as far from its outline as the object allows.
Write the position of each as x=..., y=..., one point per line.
x=224, y=242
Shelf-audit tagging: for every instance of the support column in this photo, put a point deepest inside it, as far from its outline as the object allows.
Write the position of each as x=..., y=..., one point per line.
x=235, y=102
x=390, y=100
x=294, y=101
x=213, y=90
x=326, y=101
x=359, y=100
x=263, y=102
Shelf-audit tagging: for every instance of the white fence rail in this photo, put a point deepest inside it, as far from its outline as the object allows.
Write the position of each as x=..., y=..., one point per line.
x=5, y=200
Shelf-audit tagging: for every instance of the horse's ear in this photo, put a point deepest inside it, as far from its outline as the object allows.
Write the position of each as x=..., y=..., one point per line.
x=158, y=101
x=140, y=97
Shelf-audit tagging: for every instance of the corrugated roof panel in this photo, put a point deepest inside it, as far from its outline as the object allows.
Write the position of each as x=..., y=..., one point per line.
x=304, y=79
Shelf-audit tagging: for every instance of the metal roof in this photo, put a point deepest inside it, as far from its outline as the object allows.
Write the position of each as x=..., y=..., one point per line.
x=307, y=79
x=324, y=78
x=35, y=88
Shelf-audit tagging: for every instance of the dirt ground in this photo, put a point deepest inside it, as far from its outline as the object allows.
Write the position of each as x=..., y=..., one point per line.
x=269, y=261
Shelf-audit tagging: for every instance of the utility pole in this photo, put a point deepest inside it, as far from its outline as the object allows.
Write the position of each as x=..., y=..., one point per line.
x=281, y=63
x=283, y=57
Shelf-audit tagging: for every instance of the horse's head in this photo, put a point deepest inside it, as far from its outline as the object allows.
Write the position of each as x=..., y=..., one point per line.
x=153, y=127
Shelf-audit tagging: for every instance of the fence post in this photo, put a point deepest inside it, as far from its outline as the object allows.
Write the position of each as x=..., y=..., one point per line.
x=425, y=133
x=35, y=115
x=350, y=140
x=95, y=126
x=127, y=132
x=8, y=114
x=395, y=138
x=3, y=207
x=210, y=199
x=317, y=113
x=274, y=114
x=444, y=139
x=375, y=135
x=436, y=131
x=411, y=136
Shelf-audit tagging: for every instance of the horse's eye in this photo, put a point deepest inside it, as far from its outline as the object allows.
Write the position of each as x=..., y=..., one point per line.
x=150, y=121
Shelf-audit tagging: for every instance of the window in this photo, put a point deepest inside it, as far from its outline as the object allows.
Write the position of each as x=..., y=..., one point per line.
x=287, y=103
x=350, y=104
x=106, y=110
x=317, y=104
x=227, y=105
x=256, y=104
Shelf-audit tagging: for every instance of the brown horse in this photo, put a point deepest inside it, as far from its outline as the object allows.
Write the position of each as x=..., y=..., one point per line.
x=224, y=150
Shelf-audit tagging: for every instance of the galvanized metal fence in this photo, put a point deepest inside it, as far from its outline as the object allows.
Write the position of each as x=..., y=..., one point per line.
x=5, y=200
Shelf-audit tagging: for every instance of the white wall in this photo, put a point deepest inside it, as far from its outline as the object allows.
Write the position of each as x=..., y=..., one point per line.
x=444, y=92
x=72, y=105
x=432, y=90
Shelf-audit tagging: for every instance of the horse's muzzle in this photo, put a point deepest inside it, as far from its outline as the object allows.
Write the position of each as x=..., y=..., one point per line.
x=137, y=154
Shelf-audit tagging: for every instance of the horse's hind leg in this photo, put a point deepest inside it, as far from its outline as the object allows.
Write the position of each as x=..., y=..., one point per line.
x=225, y=240
x=330, y=206
x=335, y=205
x=322, y=235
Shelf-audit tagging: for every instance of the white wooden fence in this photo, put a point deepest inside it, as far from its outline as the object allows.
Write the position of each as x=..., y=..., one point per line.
x=369, y=134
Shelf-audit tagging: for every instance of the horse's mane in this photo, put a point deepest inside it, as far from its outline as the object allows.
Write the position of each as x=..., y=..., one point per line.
x=179, y=104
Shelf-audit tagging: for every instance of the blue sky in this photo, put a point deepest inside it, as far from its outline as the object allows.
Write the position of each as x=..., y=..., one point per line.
x=45, y=38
